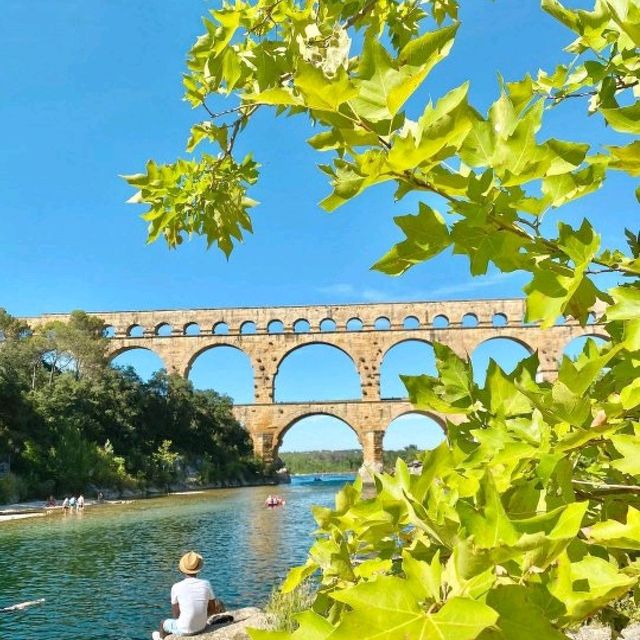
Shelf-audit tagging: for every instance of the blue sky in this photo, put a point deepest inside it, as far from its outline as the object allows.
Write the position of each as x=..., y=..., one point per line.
x=93, y=90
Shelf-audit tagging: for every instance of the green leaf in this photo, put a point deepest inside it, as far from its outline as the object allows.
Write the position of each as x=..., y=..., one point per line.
x=586, y=586
x=297, y=575
x=321, y=93
x=624, y=119
x=488, y=523
x=630, y=395
x=438, y=134
x=207, y=130
x=627, y=303
x=618, y=535
x=384, y=85
x=520, y=616
x=629, y=448
x=427, y=235
x=556, y=289
x=452, y=391
x=424, y=578
x=386, y=608
x=563, y=188
x=627, y=158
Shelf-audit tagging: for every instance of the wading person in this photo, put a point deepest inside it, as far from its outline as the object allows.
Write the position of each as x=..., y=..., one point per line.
x=192, y=601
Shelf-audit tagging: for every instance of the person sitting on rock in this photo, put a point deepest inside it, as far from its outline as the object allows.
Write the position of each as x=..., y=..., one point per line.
x=192, y=601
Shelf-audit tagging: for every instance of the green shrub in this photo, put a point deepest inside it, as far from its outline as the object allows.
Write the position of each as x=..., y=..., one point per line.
x=282, y=607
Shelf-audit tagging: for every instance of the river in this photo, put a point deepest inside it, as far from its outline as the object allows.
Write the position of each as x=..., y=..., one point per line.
x=106, y=573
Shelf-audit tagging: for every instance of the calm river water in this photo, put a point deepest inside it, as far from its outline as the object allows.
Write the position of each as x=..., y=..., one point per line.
x=106, y=573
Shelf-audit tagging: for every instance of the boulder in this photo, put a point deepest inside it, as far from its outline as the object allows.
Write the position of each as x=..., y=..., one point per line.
x=236, y=630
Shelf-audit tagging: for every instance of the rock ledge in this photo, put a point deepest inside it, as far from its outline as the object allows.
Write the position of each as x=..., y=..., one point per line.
x=236, y=630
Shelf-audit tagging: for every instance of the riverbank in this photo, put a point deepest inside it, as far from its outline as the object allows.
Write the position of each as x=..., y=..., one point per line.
x=39, y=508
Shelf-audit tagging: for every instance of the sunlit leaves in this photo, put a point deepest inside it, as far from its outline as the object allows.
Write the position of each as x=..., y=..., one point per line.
x=427, y=235
x=384, y=84
x=627, y=158
x=206, y=198
x=517, y=526
x=624, y=119
x=387, y=608
x=562, y=286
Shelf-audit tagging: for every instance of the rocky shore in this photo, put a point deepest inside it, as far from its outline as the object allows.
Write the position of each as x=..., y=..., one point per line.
x=236, y=630
x=251, y=617
x=595, y=632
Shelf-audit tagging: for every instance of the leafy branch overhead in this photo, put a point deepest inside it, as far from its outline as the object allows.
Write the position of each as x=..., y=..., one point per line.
x=526, y=520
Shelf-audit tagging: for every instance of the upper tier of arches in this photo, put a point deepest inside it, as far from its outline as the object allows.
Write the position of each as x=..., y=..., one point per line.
x=316, y=319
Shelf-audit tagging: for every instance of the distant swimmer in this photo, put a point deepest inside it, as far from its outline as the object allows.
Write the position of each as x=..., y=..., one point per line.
x=23, y=605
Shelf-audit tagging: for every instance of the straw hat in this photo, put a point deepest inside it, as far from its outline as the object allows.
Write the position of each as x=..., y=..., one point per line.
x=191, y=562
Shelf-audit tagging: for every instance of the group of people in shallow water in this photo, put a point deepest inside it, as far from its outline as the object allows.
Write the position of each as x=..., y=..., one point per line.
x=71, y=503
x=274, y=501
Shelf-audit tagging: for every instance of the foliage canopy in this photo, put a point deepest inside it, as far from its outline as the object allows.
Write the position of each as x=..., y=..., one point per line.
x=69, y=421
x=527, y=520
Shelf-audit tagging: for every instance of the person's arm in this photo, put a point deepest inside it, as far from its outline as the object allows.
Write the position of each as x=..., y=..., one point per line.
x=175, y=605
x=215, y=605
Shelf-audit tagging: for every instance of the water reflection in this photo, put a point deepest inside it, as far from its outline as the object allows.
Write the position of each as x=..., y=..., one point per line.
x=106, y=573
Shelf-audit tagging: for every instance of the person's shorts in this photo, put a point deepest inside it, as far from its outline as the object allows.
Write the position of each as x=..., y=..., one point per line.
x=170, y=625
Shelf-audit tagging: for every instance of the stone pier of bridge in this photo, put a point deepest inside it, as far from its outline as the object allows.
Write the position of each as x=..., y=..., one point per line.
x=364, y=332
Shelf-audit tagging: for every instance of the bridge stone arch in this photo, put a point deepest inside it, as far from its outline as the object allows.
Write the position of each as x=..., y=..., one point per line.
x=320, y=411
x=211, y=347
x=113, y=354
x=331, y=344
x=366, y=347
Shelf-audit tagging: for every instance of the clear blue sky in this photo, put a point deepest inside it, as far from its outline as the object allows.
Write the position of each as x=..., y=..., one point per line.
x=93, y=90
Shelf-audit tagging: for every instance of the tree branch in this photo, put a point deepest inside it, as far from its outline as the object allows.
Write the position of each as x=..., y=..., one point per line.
x=590, y=488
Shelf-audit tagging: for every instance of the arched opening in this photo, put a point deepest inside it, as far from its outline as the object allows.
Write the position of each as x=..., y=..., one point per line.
x=576, y=346
x=135, y=331
x=109, y=331
x=469, y=320
x=275, y=326
x=591, y=318
x=334, y=442
x=411, y=322
x=220, y=329
x=248, y=327
x=316, y=372
x=506, y=352
x=440, y=322
x=382, y=324
x=411, y=357
x=143, y=362
x=499, y=320
x=328, y=325
x=192, y=329
x=224, y=369
x=409, y=434
x=163, y=329
x=301, y=326
x=354, y=324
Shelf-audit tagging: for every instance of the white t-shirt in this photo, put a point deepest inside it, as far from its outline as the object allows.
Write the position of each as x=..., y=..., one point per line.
x=192, y=595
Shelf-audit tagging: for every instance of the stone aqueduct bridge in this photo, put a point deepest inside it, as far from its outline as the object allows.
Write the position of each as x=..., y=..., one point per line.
x=365, y=332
